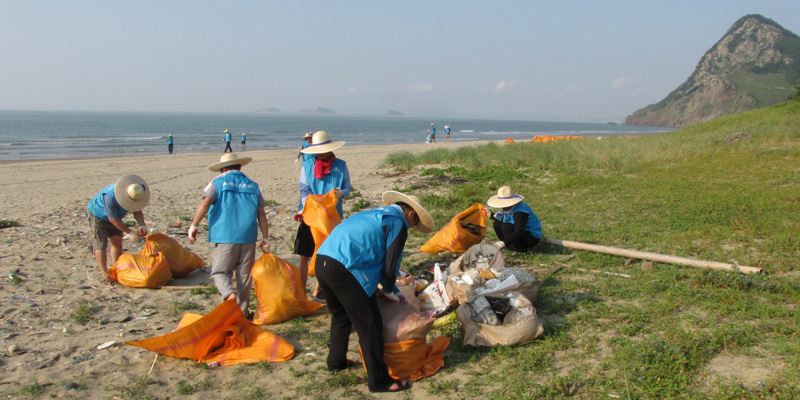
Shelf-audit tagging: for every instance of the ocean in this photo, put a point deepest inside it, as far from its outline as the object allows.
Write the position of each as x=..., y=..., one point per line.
x=36, y=135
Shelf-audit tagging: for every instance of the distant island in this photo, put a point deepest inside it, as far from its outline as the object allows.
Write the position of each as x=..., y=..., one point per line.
x=269, y=110
x=318, y=110
x=393, y=112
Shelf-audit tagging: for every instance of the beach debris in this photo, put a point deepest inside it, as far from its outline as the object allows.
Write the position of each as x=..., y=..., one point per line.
x=81, y=359
x=13, y=350
x=106, y=345
x=71, y=385
x=116, y=318
x=51, y=361
x=20, y=298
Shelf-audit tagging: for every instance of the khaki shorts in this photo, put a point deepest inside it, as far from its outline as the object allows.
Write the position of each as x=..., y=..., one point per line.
x=101, y=231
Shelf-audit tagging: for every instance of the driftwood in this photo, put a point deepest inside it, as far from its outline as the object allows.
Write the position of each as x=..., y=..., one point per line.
x=186, y=287
x=643, y=255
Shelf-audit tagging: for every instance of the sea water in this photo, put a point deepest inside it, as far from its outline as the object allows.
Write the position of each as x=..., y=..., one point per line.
x=29, y=135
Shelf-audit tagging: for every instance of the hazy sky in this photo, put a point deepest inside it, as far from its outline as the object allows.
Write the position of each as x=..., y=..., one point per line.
x=545, y=60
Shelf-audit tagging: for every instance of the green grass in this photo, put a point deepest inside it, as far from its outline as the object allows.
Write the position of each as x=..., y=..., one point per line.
x=178, y=308
x=658, y=334
x=8, y=223
x=83, y=313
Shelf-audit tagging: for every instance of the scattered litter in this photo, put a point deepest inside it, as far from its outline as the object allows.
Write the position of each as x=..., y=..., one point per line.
x=20, y=298
x=13, y=350
x=106, y=345
x=82, y=359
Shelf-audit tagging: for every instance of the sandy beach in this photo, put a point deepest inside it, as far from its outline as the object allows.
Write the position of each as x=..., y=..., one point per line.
x=52, y=254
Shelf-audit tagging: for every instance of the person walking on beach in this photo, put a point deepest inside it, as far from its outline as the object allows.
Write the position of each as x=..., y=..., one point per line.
x=244, y=140
x=516, y=225
x=432, y=133
x=235, y=209
x=447, y=133
x=169, y=144
x=227, y=141
x=319, y=174
x=363, y=251
x=106, y=210
x=306, y=142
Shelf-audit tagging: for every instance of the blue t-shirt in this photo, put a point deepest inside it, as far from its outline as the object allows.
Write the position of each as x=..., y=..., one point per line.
x=233, y=215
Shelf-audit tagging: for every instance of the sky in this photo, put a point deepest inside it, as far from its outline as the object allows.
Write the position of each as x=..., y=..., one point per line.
x=577, y=61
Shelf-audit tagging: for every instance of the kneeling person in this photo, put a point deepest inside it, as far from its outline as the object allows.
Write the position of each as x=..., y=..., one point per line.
x=516, y=225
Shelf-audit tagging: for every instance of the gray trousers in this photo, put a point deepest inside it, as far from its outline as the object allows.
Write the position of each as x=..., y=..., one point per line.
x=230, y=257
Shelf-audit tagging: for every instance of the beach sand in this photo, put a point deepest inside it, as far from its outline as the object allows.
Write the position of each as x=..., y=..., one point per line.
x=52, y=252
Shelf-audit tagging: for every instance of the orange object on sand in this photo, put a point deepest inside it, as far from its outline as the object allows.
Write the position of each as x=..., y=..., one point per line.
x=320, y=214
x=509, y=140
x=141, y=271
x=464, y=230
x=415, y=359
x=224, y=336
x=280, y=293
x=181, y=260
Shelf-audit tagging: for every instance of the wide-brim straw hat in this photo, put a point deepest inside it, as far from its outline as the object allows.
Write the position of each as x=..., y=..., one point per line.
x=308, y=135
x=227, y=160
x=425, y=221
x=505, y=197
x=226, y=131
x=132, y=192
x=321, y=143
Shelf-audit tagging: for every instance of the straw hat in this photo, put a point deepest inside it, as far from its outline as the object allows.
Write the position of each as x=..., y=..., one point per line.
x=447, y=127
x=226, y=131
x=227, y=160
x=425, y=221
x=505, y=198
x=321, y=143
x=308, y=135
x=132, y=192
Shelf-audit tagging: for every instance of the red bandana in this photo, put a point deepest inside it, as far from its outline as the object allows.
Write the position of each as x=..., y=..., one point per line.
x=323, y=167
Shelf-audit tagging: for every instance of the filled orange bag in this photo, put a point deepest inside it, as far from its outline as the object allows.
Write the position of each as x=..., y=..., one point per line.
x=138, y=271
x=181, y=261
x=415, y=359
x=320, y=214
x=224, y=336
x=464, y=230
x=281, y=296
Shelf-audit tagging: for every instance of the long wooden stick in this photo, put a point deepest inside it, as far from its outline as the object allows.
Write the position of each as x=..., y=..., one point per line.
x=643, y=255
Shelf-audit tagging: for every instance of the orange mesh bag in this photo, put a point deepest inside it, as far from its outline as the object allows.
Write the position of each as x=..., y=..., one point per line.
x=464, y=230
x=138, y=271
x=280, y=293
x=415, y=359
x=224, y=336
x=320, y=214
x=181, y=261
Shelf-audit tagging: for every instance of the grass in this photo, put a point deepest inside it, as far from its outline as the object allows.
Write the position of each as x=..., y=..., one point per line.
x=659, y=334
x=9, y=223
x=177, y=308
x=83, y=313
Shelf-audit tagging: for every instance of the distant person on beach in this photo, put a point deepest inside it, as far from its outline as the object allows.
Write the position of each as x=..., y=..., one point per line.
x=227, y=141
x=235, y=209
x=306, y=142
x=516, y=225
x=319, y=174
x=244, y=140
x=169, y=144
x=363, y=251
x=106, y=210
x=432, y=133
x=447, y=132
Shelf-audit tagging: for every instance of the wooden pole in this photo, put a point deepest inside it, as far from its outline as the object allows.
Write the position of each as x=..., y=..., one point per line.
x=643, y=255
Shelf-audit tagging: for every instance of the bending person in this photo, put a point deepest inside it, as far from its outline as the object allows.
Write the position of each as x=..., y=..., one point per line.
x=363, y=251
x=516, y=225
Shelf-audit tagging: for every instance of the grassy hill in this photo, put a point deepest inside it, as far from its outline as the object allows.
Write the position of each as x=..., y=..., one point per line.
x=666, y=331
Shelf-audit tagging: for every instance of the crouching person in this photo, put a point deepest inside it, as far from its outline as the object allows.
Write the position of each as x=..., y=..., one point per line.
x=516, y=225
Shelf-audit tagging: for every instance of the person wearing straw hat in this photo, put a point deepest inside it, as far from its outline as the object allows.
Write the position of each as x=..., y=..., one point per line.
x=227, y=141
x=235, y=209
x=319, y=174
x=106, y=210
x=516, y=225
x=306, y=142
x=363, y=251
x=432, y=133
x=447, y=132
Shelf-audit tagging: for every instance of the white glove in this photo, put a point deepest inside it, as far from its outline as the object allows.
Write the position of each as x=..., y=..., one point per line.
x=500, y=245
x=133, y=235
x=392, y=297
x=338, y=192
x=192, y=233
x=265, y=245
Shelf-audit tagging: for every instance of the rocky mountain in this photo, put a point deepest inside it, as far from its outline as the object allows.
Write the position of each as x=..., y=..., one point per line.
x=756, y=64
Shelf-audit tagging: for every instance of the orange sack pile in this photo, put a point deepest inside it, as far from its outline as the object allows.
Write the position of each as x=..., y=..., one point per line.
x=138, y=271
x=280, y=294
x=320, y=214
x=224, y=336
x=181, y=261
x=543, y=139
x=464, y=230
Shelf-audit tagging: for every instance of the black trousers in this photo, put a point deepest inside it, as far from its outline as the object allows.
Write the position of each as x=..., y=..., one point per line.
x=351, y=307
x=525, y=242
x=227, y=147
x=170, y=148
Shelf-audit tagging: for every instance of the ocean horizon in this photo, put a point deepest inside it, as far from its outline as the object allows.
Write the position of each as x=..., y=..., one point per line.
x=50, y=135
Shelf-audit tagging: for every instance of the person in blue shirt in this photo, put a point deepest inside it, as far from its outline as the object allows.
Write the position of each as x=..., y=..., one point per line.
x=106, y=211
x=516, y=225
x=447, y=132
x=235, y=209
x=169, y=144
x=366, y=250
x=319, y=174
x=227, y=141
x=244, y=140
x=306, y=142
x=432, y=133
